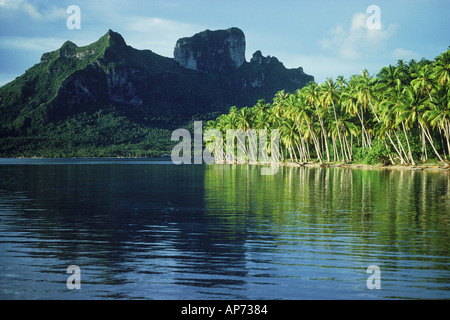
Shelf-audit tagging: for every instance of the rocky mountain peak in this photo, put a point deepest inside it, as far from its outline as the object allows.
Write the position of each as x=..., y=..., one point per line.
x=212, y=51
x=115, y=39
x=260, y=59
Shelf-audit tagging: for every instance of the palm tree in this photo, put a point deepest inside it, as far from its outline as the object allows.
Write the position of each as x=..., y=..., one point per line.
x=389, y=79
x=329, y=94
x=411, y=109
x=442, y=68
x=404, y=119
x=289, y=136
x=368, y=91
x=302, y=115
x=278, y=106
x=261, y=107
x=244, y=119
x=387, y=126
x=403, y=72
x=244, y=122
x=262, y=122
x=229, y=122
x=439, y=115
x=214, y=143
x=311, y=94
x=424, y=80
x=349, y=130
x=351, y=102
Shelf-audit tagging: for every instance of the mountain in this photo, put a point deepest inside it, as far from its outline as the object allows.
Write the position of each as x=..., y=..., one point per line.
x=109, y=99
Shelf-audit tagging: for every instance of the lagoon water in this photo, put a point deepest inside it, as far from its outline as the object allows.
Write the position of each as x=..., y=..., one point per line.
x=141, y=229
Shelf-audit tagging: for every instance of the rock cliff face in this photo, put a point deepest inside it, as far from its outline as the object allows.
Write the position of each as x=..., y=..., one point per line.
x=212, y=51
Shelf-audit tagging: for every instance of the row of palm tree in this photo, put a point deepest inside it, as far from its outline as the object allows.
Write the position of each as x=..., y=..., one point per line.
x=404, y=108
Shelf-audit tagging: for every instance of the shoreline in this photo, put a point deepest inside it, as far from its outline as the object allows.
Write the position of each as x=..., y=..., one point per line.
x=428, y=166
x=422, y=166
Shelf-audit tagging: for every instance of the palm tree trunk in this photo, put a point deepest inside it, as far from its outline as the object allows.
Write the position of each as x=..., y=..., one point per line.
x=299, y=133
x=316, y=142
x=324, y=134
x=300, y=152
x=349, y=152
x=339, y=132
x=290, y=153
x=351, y=144
x=390, y=156
x=401, y=145
x=447, y=136
x=363, y=137
x=424, y=148
x=428, y=135
x=395, y=147
x=409, y=147
x=365, y=133
x=335, y=151
x=442, y=143
x=373, y=110
x=308, y=153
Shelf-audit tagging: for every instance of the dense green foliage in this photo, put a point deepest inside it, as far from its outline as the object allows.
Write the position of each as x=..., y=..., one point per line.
x=402, y=115
x=107, y=132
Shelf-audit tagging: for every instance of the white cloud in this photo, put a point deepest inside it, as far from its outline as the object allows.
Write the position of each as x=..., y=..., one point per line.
x=50, y=13
x=159, y=24
x=11, y=4
x=159, y=35
x=53, y=13
x=354, y=42
x=404, y=54
x=31, y=44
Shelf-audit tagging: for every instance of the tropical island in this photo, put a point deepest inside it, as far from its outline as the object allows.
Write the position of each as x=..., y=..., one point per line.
x=108, y=99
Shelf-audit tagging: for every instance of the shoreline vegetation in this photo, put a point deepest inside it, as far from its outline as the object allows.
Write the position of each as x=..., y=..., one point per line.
x=400, y=117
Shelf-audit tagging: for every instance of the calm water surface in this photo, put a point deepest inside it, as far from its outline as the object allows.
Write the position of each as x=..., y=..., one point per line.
x=141, y=229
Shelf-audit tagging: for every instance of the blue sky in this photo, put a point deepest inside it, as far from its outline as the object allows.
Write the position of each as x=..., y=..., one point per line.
x=327, y=38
